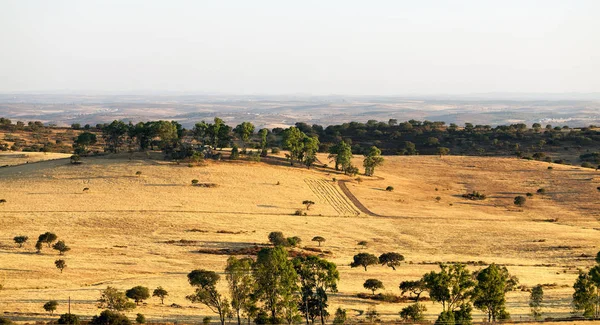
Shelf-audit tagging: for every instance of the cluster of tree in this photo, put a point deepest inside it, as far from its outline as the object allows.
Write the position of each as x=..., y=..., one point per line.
x=364, y=260
x=458, y=290
x=47, y=238
x=586, y=297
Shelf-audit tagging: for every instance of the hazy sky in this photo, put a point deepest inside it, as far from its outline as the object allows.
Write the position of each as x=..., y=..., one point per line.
x=311, y=47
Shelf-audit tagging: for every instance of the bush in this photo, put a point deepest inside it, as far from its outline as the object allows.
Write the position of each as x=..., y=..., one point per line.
x=140, y=319
x=413, y=313
x=195, y=181
x=5, y=321
x=587, y=165
x=340, y=316
x=299, y=213
x=520, y=200
x=68, y=319
x=541, y=191
x=294, y=241
x=474, y=196
x=276, y=238
x=275, y=150
x=529, y=194
x=550, y=167
x=389, y=188
x=108, y=317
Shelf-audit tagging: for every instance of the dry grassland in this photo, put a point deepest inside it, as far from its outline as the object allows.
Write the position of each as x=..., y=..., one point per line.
x=118, y=229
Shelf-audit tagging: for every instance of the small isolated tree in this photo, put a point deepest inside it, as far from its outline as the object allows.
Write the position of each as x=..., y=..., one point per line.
x=50, y=306
x=389, y=188
x=294, y=241
x=20, y=240
x=364, y=260
x=442, y=151
x=61, y=247
x=520, y=200
x=340, y=316
x=138, y=294
x=535, y=301
x=308, y=203
x=195, y=181
x=278, y=239
x=47, y=238
x=318, y=239
x=373, y=285
x=140, y=319
x=391, y=259
x=68, y=319
x=161, y=294
x=413, y=313
x=138, y=173
x=60, y=264
x=114, y=300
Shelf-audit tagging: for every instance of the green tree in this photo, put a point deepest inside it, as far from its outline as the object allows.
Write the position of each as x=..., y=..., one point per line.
x=235, y=152
x=161, y=294
x=414, y=287
x=109, y=317
x=309, y=150
x=206, y=292
x=68, y=319
x=364, y=260
x=167, y=132
x=241, y=284
x=391, y=259
x=442, y=151
x=520, y=200
x=413, y=313
x=489, y=294
x=114, y=300
x=317, y=277
x=409, y=149
x=47, y=238
x=20, y=240
x=308, y=203
x=342, y=155
x=373, y=285
x=50, y=306
x=140, y=319
x=244, y=132
x=263, y=138
x=61, y=247
x=293, y=140
x=585, y=297
x=60, y=264
x=277, y=238
x=83, y=141
x=372, y=159
x=114, y=135
x=451, y=287
x=535, y=301
x=318, y=239
x=275, y=279
x=138, y=294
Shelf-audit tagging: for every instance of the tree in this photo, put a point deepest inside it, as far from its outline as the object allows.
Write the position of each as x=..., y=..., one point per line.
x=161, y=294
x=83, y=141
x=342, y=155
x=50, y=306
x=309, y=150
x=372, y=159
x=520, y=200
x=340, y=316
x=47, y=238
x=442, y=151
x=241, y=284
x=413, y=313
x=489, y=294
x=38, y=247
x=60, y=264
x=244, y=131
x=308, y=203
x=140, y=319
x=293, y=140
x=263, y=138
x=535, y=301
x=317, y=277
x=206, y=292
x=138, y=294
x=235, y=152
x=20, y=240
x=109, y=317
x=68, y=319
x=364, y=260
x=275, y=278
x=277, y=238
x=373, y=285
x=451, y=287
x=113, y=135
x=391, y=259
x=61, y=247
x=114, y=300
x=319, y=240
x=371, y=314
x=585, y=295
x=415, y=287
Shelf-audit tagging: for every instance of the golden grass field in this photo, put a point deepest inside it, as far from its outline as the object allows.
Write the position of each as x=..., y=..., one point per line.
x=117, y=229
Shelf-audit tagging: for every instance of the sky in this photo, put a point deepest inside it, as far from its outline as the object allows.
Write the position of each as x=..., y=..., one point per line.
x=300, y=47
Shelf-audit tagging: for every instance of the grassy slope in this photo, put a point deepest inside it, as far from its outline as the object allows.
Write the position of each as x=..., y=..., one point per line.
x=117, y=229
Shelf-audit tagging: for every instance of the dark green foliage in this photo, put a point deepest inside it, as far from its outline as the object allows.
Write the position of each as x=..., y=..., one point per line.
x=541, y=191
x=241, y=285
x=414, y=287
x=114, y=300
x=108, y=317
x=442, y=151
x=389, y=188
x=308, y=203
x=317, y=278
x=318, y=239
x=584, y=297
x=50, y=306
x=364, y=260
x=373, y=285
x=340, y=316
x=60, y=264
x=5, y=321
x=489, y=294
x=520, y=200
x=206, y=292
x=372, y=159
x=445, y=318
x=474, y=196
x=20, y=240
x=235, y=153
x=529, y=194
x=61, y=247
x=451, y=287
x=140, y=319
x=68, y=319
x=47, y=238
x=391, y=259
x=294, y=241
x=138, y=294
x=278, y=239
x=413, y=313
x=535, y=301
x=83, y=141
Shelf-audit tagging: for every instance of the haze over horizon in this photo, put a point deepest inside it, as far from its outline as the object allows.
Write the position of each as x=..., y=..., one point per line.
x=387, y=48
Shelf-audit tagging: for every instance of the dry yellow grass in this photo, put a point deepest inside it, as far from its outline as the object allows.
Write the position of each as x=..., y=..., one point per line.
x=117, y=229
x=10, y=158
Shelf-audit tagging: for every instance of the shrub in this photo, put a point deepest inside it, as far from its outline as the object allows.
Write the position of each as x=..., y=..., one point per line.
x=438, y=198
x=50, y=306
x=529, y=194
x=389, y=188
x=294, y=241
x=541, y=190
x=2, y=201
x=275, y=150
x=318, y=239
x=340, y=316
x=61, y=247
x=108, y=317
x=60, y=264
x=206, y=320
x=5, y=321
x=413, y=313
x=276, y=238
x=587, y=165
x=20, y=240
x=474, y=196
x=372, y=315
x=520, y=200
x=138, y=173
x=195, y=181
x=550, y=167
x=75, y=159
x=68, y=319
x=140, y=319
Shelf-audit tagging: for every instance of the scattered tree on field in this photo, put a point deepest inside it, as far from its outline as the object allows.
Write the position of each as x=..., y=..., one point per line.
x=319, y=240
x=391, y=259
x=308, y=203
x=342, y=155
x=38, y=247
x=60, y=264
x=20, y=240
x=372, y=159
x=50, y=306
x=138, y=294
x=277, y=238
x=442, y=151
x=317, y=277
x=114, y=300
x=373, y=285
x=520, y=200
x=340, y=316
x=489, y=293
x=241, y=284
x=109, y=317
x=535, y=301
x=413, y=313
x=161, y=294
x=206, y=292
x=414, y=287
x=61, y=247
x=585, y=295
x=372, y=315
x=364, y=260
x=47, y=238
x=140, y=319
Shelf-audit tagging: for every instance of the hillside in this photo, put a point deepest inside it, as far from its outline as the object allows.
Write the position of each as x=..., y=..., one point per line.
x=126, y=230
